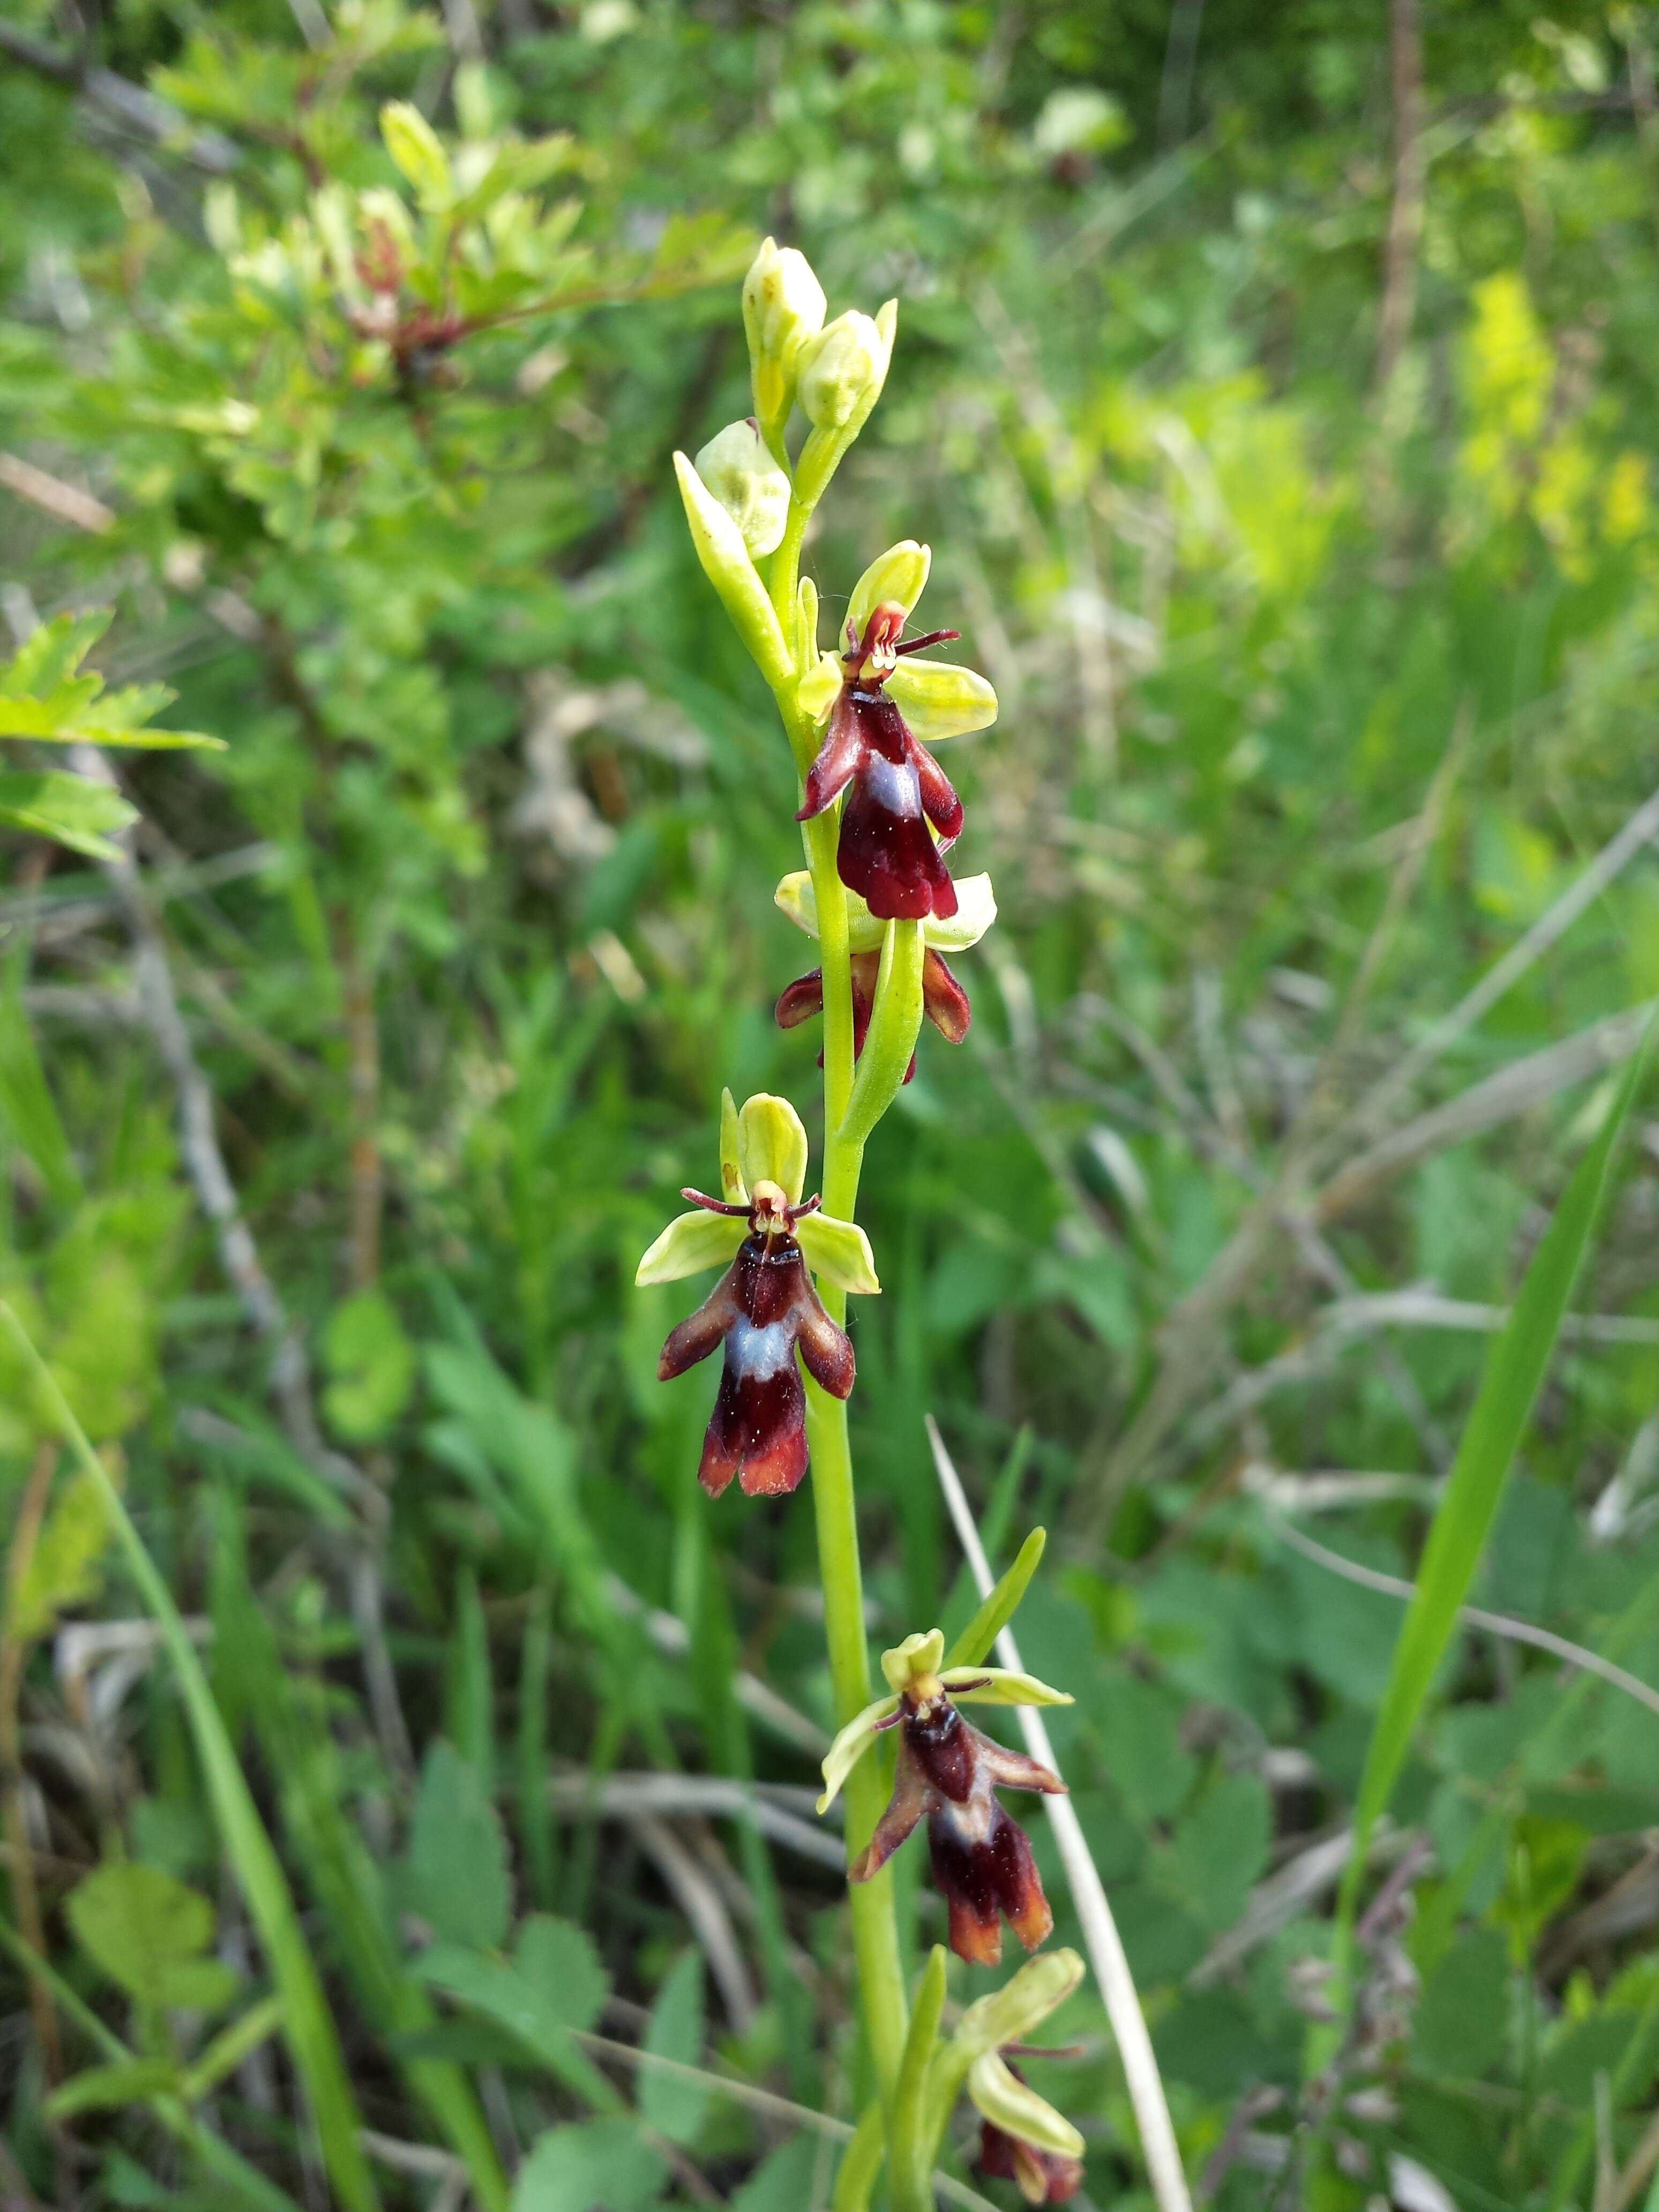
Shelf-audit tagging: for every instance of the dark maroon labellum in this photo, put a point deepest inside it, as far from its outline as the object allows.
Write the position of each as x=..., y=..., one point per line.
x=981, y=1858
x=764, y=1309
x=886, y=851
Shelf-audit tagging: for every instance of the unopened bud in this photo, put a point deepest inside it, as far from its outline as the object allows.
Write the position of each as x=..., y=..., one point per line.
x=782, y=309
x=748, y=483
x=842, y=371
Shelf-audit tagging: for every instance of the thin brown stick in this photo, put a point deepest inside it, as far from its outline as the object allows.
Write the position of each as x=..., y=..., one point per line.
x=14, y=1651
x=1410, y=172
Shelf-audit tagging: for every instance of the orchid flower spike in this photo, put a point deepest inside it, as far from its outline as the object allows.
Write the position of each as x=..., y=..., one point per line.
x=877, y=704
x=943, y=998
x=764, y=1309
x=948, y=1771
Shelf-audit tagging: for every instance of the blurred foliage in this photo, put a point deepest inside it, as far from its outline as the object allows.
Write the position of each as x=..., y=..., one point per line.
x=343, y=345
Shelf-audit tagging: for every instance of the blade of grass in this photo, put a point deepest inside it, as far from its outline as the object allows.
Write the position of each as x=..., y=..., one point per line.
x=1515, y=1370
x=308, y=2027
x=907, y=2135
x=246, y=2184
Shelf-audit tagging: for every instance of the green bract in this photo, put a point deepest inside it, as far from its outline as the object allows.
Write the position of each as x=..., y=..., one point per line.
x=976, y=909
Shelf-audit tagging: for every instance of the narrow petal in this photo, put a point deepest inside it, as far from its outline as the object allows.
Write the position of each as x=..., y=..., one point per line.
x=799, y=1001
x=943, y=998
x=997, y=1685
x=900, y=574
x=849, y=1747
x=1015, y=2107
x=796, y=898
x=698, y=1336
x=838, y=1251
x=772, y=1145
x=733, y=1188
x=690, y=1243
x=939, y=700
x=919, y=1654
x=841, y=755
x=911, y=1798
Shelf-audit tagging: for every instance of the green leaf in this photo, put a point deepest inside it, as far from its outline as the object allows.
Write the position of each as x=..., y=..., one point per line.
x=554, y=1984
x=455, y=1875
x=973, y=1645
x=108, y=2088
x=415, y=146
x=71, y=809
x=371, y=1365
x=675, y=2108
x=597, y=2165
x=1515, y=1370
x=63, y=1568
x=797, y=2172
x=28, y=1108
x=51, y=655
x=148, y=1932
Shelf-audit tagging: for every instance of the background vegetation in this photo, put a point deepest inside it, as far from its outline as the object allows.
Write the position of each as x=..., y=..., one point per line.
x=1276, y=389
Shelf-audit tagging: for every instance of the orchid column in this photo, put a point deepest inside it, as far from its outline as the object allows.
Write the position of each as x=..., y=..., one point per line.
x=879, y=817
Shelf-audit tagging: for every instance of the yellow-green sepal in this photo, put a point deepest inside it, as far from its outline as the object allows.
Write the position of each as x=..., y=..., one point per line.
x=772, y=1145
x=1017, y=2109
x=976, y=909
x=999, y=1686
x=1009, y=2015
x=899, y=574
x=691, y=1243
x=849, y=1747
x=838, y=1252
x=939, y=700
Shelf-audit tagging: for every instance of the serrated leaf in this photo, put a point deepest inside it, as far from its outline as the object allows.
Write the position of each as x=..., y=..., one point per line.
x=555, y=1985
x=72, y=810
x=455, y=1874
x=674, y=2107
x=51, y=654
x=63, y=1568
x=147, y=1933
x=371, y=1365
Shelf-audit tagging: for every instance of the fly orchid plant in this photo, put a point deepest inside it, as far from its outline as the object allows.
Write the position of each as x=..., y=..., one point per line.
x=878, y=819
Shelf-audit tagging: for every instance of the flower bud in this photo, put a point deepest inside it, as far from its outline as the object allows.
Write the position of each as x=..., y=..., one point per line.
x=782, y=308
x=748, y=483
x=842, y=371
